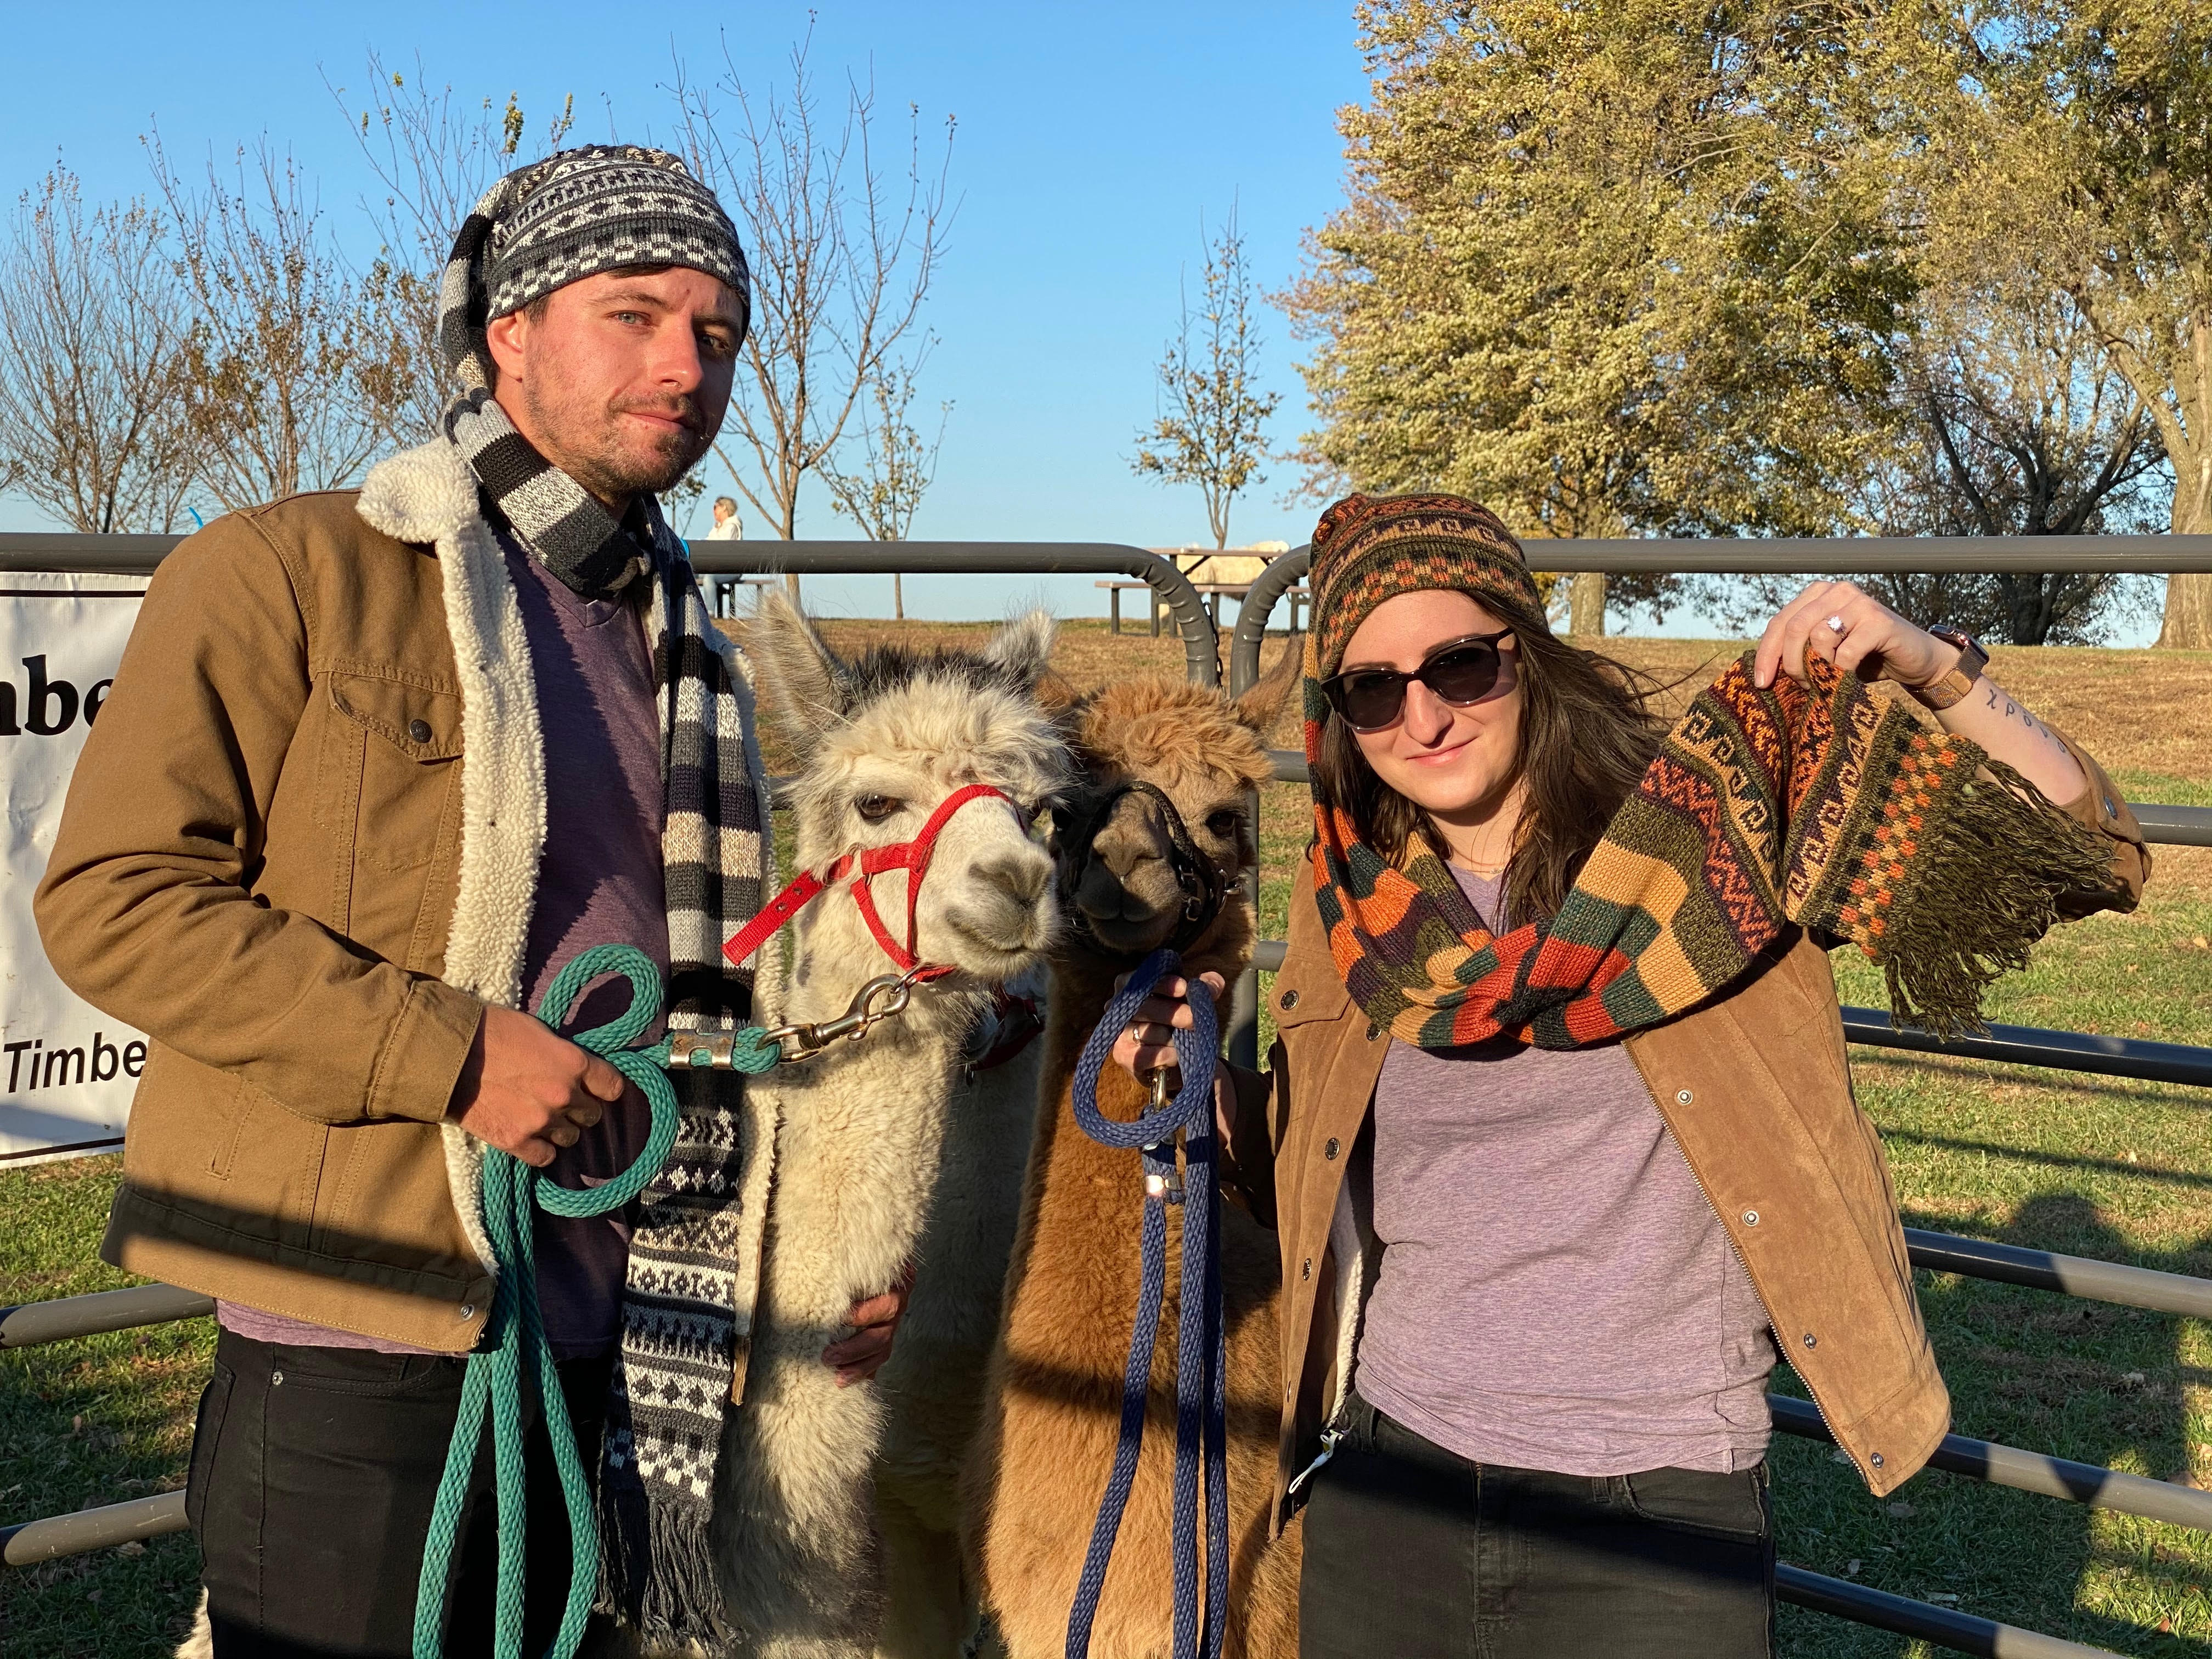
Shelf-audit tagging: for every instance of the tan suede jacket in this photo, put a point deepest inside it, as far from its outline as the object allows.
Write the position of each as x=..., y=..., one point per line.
x=257, y=868
x=1757, y=1090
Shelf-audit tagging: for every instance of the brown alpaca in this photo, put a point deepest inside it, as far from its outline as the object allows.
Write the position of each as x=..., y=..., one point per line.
x=1052, y=1402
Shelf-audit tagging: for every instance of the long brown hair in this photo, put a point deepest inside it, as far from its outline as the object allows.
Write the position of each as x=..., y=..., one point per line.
x=1589, y=729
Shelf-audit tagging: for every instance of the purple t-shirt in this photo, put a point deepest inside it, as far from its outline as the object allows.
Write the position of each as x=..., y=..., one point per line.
x=598, y=883
x=1556, y=1292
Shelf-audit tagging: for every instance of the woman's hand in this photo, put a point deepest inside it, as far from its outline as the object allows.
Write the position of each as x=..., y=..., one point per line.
x=1147, y=1042
x=1862, y=636
x=1854, y=630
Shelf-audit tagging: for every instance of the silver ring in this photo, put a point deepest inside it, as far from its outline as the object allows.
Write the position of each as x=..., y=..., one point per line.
x=1836, y=624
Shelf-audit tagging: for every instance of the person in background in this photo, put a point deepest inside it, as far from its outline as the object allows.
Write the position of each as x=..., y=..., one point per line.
x=377, y=765
x=1558, y=1133
x=728, y=526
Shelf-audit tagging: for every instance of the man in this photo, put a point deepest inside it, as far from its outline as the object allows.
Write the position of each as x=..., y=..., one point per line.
x=728, y=526
x=375, y=767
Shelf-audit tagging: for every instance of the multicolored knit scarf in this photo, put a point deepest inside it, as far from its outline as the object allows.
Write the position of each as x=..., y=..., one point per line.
x=1813, y=806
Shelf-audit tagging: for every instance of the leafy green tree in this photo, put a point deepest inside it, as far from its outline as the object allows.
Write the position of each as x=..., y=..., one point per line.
x=2083, y=129
x=1613, y=269
x=1209, y=431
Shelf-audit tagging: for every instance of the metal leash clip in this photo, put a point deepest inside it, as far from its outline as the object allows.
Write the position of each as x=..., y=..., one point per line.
x=1167, y=1183
x=878, y=1000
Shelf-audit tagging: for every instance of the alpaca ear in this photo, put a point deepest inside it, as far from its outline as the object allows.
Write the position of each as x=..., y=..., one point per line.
x=1259, y=708
x=808, y=687
x=1023, y=646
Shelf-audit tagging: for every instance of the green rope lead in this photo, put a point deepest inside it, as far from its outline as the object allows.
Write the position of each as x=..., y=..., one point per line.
x=514, y=1354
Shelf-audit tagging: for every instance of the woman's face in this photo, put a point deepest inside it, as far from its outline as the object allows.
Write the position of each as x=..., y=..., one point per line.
x=1457, y=763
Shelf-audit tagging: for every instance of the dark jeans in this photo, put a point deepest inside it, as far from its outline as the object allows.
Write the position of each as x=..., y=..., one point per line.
x=312, y=1475
x=1414, y=1553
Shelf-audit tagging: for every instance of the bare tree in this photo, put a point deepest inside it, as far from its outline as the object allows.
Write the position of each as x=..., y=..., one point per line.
x=91, y=426
x=283, y=389
x=2010, y=420
x=841, y=251
x=896, y=466
x=1210, y=434
x=434, y=154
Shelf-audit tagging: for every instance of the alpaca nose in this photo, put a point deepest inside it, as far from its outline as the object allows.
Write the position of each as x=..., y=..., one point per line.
x=1121, y=854
x=1024, y=879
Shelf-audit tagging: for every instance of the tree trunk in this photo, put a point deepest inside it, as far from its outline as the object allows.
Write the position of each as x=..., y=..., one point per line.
x=898, y=597
x=2188, y=625
x=1586, y=602
x=791, y=585
x=2188, y=612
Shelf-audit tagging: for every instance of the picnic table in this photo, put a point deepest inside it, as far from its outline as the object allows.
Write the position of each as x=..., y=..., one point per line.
x=1213, y=593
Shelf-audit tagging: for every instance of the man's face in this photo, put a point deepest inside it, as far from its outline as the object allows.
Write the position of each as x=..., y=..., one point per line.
x=623, y=380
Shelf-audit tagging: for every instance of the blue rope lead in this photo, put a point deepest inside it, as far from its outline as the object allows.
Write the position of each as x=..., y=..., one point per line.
x=1201, y=1376
x=514, y=1354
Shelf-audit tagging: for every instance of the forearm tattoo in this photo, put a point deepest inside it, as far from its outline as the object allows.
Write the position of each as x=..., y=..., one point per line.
x=2007, y=710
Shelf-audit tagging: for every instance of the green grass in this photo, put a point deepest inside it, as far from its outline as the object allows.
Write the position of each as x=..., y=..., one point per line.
x=86, y=1423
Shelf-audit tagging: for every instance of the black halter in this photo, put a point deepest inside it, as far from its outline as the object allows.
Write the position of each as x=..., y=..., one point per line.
x=1204, y=887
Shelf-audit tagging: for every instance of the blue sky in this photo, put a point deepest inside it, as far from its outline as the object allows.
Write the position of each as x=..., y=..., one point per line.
x=1091, y=142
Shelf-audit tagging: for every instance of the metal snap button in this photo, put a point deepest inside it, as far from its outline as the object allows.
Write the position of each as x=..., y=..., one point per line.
x=1305, y=1268
x=1329, y=1151
x=1373, y=1030
x=1751, y=1217
x=1874, y=1458
x=1288, y=999
x=1811, y=1340
x=1683, y=1097
x=468, y=1310
x=419, y=730
x=276, y=1379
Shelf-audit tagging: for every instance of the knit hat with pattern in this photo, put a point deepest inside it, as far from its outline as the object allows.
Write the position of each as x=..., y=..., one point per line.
x=1368, y=549
x=575, y=214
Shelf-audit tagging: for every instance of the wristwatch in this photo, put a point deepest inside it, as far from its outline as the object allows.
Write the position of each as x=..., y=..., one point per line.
x=1972, y=658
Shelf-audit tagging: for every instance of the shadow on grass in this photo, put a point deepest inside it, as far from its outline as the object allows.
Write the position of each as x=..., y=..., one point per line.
x=2075, y=1378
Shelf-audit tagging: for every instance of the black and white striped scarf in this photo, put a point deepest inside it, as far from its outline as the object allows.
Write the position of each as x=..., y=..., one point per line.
x=679, y=1331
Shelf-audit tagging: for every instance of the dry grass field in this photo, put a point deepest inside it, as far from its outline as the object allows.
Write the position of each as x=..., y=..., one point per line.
x=2097, y=1167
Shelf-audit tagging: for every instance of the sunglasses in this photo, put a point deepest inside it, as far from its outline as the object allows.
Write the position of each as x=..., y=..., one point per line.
x=1460, y=673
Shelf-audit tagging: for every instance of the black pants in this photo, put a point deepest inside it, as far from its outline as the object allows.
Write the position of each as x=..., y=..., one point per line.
x=1414, y=1553
x=312, y=1475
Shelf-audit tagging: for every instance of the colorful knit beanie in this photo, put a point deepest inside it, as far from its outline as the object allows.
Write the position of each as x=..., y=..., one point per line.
x=1368, y=549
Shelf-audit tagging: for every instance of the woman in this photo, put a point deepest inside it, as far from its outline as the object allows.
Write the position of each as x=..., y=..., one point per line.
x=1557, y=1134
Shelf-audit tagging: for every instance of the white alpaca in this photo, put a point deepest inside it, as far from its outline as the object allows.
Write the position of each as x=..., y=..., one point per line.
x=860, y=1128
x=932, y=1387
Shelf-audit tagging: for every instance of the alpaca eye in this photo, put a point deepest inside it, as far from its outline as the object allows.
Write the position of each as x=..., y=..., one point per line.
x=874, y=809
x=1222, y=825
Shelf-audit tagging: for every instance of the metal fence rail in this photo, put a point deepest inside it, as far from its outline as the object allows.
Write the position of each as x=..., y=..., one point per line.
x=69, y=1316
x=2091, y=1484
x=1947, y=1627
x=31, y=1542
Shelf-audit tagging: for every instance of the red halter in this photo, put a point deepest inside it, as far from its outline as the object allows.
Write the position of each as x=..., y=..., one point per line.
x=911, y=856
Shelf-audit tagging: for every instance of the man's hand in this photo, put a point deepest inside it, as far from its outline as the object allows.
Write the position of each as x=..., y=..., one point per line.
x=529, y=1091
x=857, y=1357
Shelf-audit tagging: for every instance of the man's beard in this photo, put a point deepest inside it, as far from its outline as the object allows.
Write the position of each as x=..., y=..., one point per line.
x=591, y=453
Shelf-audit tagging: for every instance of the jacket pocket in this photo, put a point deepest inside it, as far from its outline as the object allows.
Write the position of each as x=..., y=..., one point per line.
x=395, y=734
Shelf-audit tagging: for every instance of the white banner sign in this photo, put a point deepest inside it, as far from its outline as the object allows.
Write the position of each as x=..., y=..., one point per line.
x=67, y=1071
